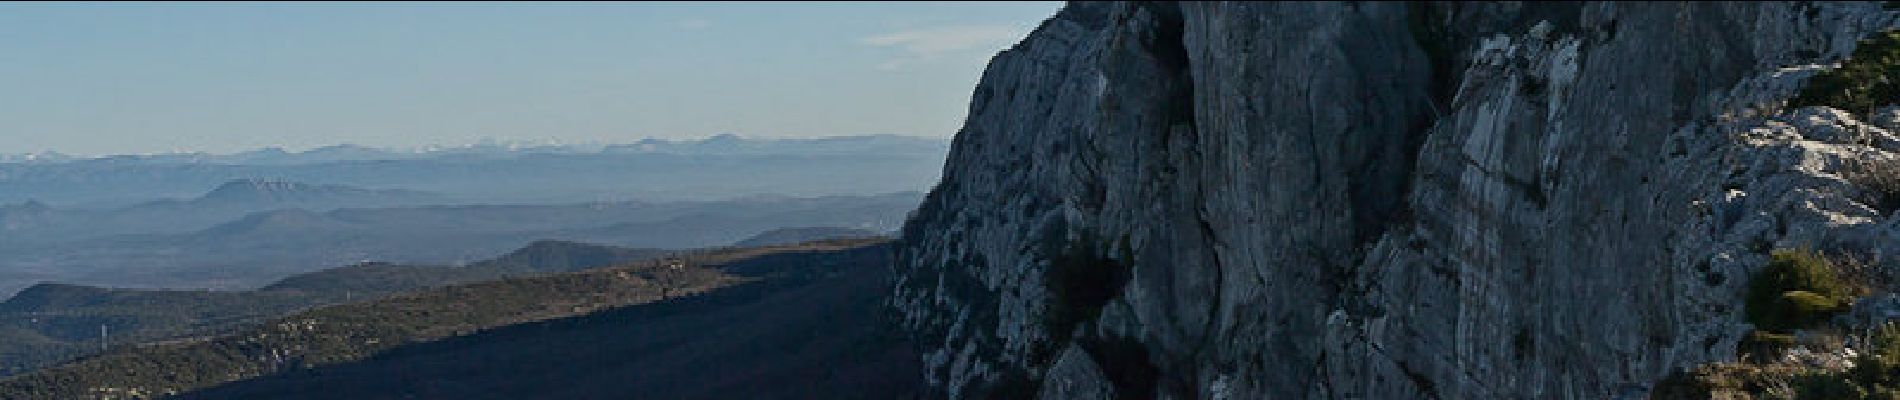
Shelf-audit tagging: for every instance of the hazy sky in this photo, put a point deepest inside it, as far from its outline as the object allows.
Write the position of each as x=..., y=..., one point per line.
x=121, y=78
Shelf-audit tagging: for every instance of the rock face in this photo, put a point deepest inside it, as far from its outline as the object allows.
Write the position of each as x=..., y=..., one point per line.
x=1382, y=200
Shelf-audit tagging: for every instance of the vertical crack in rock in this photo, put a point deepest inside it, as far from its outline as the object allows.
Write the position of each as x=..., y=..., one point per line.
x=1377, y=200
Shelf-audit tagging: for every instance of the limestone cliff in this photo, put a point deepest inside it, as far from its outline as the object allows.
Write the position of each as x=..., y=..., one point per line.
x=1382, y=200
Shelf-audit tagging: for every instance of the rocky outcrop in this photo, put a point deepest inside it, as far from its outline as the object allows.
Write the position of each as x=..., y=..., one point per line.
x=1382, y=200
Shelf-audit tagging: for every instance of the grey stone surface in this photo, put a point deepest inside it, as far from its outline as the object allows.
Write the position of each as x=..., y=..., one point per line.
x=1381, y=200
x=1075, y=376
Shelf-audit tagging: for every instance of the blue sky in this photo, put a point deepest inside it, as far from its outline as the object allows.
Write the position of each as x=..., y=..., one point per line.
x=128, y=78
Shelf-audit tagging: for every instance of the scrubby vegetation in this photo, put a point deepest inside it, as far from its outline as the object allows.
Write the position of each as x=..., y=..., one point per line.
x=37, y=336
x=51, y=323
x=1763, y=345
x=1794, y=353
x=1797, y=289
x=1871, y=375
x=1727, y=381
x=1816, y=385
x=782, y=335
x=350, y=332
x=1867, y=79
x=1877, y=370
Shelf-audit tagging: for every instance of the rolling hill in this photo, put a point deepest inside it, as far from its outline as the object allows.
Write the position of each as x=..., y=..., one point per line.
x=49, y=323
x=811, y=325
x=695, y=305
x=800, y=235
x=259, y=248
x=38, y=223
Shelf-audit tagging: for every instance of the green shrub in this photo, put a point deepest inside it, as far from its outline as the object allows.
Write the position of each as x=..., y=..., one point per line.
x=1878, y=365
x=1807, y=308
x=1797, y=289
x=1761, y=346
x=1727, y=381
x=1882, y=393
x=1869, y=78
x=1885, y=341
x=1823, y=386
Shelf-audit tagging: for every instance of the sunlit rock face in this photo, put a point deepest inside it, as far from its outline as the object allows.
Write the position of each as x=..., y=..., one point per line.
x=1382, y=200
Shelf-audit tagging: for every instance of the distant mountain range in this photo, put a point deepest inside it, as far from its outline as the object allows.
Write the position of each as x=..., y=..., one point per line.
x=716, y=144
x=718, y=167
x=256, y=191
x=783, y=236
x=35, y=222
x=184, y=244
x=241, y=220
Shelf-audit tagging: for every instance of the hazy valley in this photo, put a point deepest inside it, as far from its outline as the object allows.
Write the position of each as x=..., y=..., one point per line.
x=249, y=231
x=241, y=252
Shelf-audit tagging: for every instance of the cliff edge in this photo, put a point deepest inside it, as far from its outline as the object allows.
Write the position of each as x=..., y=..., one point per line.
x=1384, y=200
